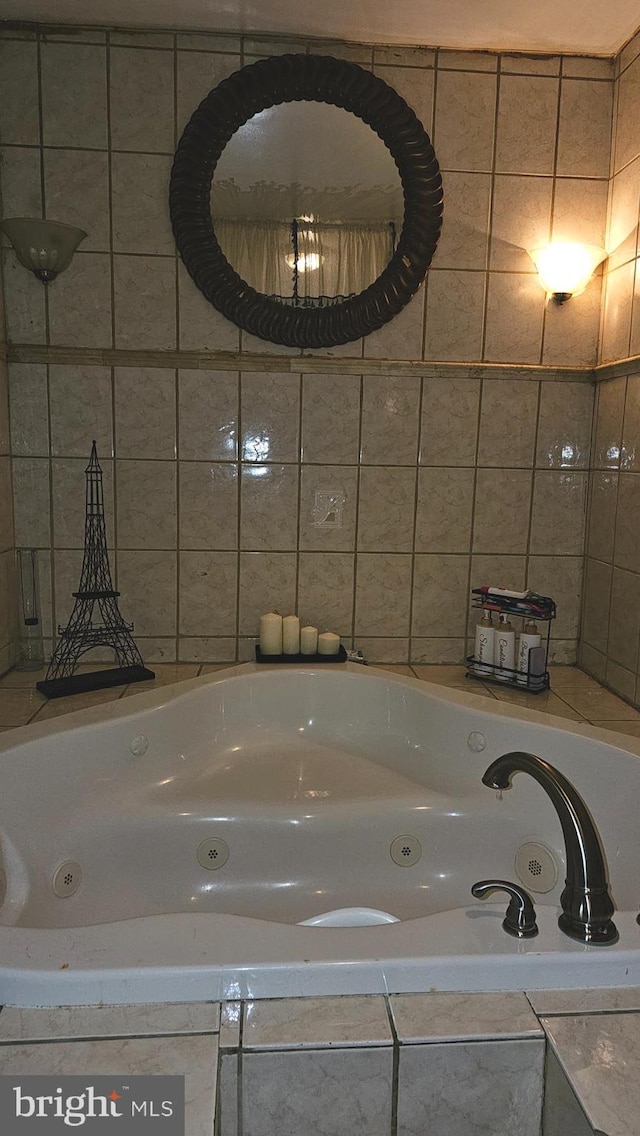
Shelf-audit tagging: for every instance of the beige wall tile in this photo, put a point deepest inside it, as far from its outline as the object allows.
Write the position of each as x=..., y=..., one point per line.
x=9, y=600
x=77, y=192
x=19, y=118
x=508, y=422
x=80, y=303
x=609, y=413
x=467, y=60
x=390, y=409
x=67, y=569
x=74, y=95
x=147, y=582
x=381, y=650
x=141, y=93
x=465, y=226
x=584, y=133
x=558, y=519
x=68, y=491
x=208, y=415
x=623, y=682
x=520, y=220
x=561, y=578
x=145, y=412
x=518, y=338
x=630, y=453
x=80, y=409
x=23, y=303
x=202, y=328
x=208, y=516
x=564, y=425
x=571, y=330
x=634, y=342
x=627, y=143
x=21, y=181
x=624, y=620
x=140, y=198
x=6, y=505
x=31, y=497
x=584, y=67
x=449, y=433
x=270, y=405
x=386, y=510
x=199, y=74
x=208, y=593
x=146, y=494
x=332, y=482
x=145, y=303
x=592, y=661
x=497, y=571
x=527, y=115
x=622, y=231
x=580, y=210
x=464, y=120
x=267, y=583
x=142, y=39
x=269, y=507
x=440, y=588
x=445, y=503
x=627, y=545
x=382, y=594
x=325, y=591
x=210, y=649
x=459, y=339
x=616, y=318
x=602, y=515
x=502, y=508
x=29, y=409
x=415, y=85
x=402, y=337
x=330, y=418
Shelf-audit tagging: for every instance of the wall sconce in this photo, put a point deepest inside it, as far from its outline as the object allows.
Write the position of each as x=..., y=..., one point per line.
x=44, y=247
x=566, y=267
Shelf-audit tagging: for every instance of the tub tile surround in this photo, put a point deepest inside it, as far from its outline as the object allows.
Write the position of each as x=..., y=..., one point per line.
x=469, y=1063
x=423, y=456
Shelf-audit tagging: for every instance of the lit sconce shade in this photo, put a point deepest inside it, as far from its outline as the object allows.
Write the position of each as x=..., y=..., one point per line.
x=44, y=247
x=566, y=267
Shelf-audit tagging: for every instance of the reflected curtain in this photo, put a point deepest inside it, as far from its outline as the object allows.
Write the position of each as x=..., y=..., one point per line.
x=333, y=259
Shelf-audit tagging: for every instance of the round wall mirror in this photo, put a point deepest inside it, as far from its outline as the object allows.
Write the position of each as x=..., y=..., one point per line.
x=306, y=200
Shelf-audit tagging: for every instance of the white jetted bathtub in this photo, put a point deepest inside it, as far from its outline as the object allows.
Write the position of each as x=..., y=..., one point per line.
x=265, y=832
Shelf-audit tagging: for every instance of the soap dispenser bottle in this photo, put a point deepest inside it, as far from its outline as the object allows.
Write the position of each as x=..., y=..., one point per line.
x=530, y=638
x=485, y=644
x=505, y=649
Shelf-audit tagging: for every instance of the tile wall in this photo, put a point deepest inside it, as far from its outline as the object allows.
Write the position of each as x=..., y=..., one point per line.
x=456, y=438
x=610, y=647
x=8, y=604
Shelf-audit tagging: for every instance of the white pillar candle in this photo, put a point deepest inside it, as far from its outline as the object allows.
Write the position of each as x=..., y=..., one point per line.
x=271, y=634
x=290, y=635
x=309, y=640
x=328, y=643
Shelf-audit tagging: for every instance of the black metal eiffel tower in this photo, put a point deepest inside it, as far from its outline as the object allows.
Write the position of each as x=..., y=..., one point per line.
x=96, y=589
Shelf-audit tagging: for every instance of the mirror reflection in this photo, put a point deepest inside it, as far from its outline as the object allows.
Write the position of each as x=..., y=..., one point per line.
x=307, y=204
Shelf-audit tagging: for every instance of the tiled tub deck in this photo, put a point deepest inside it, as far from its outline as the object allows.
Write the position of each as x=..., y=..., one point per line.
x=407, y=1065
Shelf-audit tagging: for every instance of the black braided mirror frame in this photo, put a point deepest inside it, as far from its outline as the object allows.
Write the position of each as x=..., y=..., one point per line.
x=295, y=78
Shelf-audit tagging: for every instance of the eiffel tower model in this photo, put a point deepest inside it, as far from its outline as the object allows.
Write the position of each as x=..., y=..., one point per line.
x=81, y=634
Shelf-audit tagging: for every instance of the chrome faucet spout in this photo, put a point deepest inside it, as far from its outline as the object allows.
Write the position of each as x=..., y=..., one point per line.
x=586, y=901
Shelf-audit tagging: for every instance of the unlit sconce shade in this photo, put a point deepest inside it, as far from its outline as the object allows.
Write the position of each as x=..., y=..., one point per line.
x=566, y=267
x=44, y=247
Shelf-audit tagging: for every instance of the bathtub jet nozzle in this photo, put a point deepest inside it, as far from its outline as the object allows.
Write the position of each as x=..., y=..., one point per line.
x=586, y=901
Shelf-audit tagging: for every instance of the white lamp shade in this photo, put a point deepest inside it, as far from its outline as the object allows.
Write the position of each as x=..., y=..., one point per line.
x=44, y=247
x=566, y=267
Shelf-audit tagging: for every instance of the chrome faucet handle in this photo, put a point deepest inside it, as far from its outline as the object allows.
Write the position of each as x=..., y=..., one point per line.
x=520, y=919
